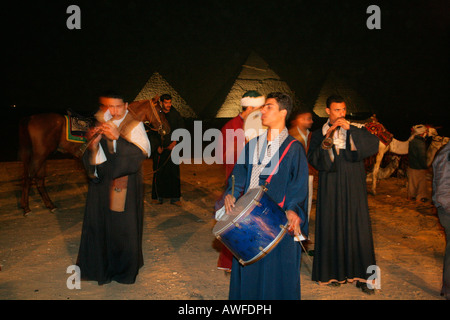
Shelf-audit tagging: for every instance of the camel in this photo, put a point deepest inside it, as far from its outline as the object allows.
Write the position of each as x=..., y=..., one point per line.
x=389, y=143
x=436, y=144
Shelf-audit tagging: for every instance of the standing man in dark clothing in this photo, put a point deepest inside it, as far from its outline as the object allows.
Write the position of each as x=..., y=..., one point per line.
x=343, y=239
x=441, y=199
x=111, y=237
x=417, y=167
x=166, y=177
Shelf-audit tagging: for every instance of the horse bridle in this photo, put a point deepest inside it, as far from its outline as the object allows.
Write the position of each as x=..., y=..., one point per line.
x=156, y=115
x=160, y=128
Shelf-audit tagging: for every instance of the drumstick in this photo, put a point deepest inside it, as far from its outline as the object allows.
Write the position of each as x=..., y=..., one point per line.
x=299, y=241
x=232, y=185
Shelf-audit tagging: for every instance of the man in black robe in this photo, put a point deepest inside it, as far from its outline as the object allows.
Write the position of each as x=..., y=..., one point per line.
x=343, y=238
x=166, y=176
x=111, y=238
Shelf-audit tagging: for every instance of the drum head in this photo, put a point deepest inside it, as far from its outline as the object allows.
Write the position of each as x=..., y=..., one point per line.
x=253, y=126
x=243, y=206
x=256, y=227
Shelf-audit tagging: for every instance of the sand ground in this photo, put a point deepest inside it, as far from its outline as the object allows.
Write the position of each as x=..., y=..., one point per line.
x=180, y=251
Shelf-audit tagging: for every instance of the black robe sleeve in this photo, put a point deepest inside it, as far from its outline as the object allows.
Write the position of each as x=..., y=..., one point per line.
x=366, y=143
x=95, y=172
x=128, y=159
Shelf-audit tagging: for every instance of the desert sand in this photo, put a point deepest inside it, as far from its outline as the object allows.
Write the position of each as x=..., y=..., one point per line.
x=180, y=251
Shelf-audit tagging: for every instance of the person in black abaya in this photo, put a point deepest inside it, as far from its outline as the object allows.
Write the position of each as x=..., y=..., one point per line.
x=343, y=235
x=111, y=237
x=166, y=176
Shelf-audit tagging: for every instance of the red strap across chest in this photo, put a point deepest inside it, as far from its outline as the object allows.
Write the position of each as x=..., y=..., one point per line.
x=278, y=164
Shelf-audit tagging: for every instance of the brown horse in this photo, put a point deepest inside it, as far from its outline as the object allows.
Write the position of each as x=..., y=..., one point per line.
x=42, y=134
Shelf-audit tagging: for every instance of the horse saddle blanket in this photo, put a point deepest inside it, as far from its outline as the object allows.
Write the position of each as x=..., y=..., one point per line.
x=77, y=128
x=378, y=129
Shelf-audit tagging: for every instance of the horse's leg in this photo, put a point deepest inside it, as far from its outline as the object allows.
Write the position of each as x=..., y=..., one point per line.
x=34, y=172
x=25, y=151
x=26, y=184
x=39, y=136
x=40, y=184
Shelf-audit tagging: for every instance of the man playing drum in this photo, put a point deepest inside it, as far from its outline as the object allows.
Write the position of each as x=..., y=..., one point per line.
x=277, y=275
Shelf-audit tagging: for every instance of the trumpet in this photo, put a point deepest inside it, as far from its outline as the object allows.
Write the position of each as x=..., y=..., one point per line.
x=84, y=146
x=328, y=142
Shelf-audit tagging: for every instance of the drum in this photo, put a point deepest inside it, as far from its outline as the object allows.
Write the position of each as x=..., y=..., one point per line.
x=256, y=228
x=253, y=126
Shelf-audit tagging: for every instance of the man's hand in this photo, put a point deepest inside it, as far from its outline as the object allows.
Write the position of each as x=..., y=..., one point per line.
x=93, y=144
x=229, y=203
x=294, y=222
x=341, y=122
x=110, y=131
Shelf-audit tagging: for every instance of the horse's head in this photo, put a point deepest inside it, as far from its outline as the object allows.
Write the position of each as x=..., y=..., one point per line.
x=150, y=112
x=163, y=126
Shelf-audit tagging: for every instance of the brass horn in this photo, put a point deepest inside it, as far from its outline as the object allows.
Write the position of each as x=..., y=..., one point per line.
x=328, y=142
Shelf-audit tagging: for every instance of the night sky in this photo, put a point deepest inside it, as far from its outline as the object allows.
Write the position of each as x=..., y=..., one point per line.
x=402, y=70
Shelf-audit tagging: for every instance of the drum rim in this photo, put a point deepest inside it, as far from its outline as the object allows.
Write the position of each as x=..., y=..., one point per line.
x=268, y=248
x=250, y=205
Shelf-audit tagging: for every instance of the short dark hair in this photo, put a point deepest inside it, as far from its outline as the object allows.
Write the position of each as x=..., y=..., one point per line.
x=334, y=98
x=112, y=94
x=283, y=100
x=165, y=96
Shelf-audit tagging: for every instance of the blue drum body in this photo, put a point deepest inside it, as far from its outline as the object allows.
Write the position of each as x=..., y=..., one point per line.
x=256, y=228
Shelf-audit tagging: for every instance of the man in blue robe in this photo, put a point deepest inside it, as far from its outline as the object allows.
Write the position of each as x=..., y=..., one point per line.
x=277, y=275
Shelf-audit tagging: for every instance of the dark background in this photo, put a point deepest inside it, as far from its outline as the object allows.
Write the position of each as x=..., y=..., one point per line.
x=402, y=70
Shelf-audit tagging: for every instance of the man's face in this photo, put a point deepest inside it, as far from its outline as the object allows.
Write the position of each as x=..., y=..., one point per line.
x=336, y=110
x=116, y=107
x=166, y=105
x=245, y=113
x=272, y=116
x=304, y=121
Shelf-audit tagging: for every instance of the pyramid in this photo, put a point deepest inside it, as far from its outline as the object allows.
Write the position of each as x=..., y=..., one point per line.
x=255, y=75
x=157, y=85
x=335, y=85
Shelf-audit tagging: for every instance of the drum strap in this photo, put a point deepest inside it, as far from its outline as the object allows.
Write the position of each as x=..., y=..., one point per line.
x=278, y=164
